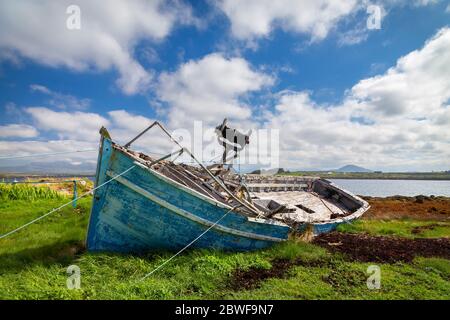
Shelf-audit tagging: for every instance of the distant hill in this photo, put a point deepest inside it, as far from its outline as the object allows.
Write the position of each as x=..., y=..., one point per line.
x=352, y=168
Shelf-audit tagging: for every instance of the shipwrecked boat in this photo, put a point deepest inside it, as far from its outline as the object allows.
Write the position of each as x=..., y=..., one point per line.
x=148, y=203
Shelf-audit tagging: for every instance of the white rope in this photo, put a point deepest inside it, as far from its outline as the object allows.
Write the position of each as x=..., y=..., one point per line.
x=45, y=154
x=64, y=205
x=187, y=246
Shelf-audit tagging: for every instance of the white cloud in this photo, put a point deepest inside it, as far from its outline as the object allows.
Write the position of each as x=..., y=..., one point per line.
x=47, y=163
x=77, y=125
x=77, y=131
x=209, y=89
x=420, y=3
x=18, y=131
x=22, y=148
x=417, y=86
x=353, y=36
x=253, y=19
x=61, y=100
x=84, y=127
x=396, y=120
x=109, y=32
x=257, y=18
x=125, y=126
x=125, y=120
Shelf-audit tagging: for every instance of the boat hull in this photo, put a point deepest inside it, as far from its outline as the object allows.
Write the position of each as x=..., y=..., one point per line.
x=142, y=211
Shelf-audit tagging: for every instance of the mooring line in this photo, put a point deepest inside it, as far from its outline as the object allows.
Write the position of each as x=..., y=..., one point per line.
x=188, y=245
x=66, y=204
x=46, y=154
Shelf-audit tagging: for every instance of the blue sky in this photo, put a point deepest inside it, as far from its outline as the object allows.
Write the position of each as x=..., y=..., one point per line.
x=338, y=92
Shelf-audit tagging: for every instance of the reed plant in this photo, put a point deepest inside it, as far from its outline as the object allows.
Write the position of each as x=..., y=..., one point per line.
x=27, y=192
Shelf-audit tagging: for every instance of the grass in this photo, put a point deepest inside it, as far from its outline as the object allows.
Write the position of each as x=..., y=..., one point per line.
x=403, y=228
x=45, y=241
x=33, y=264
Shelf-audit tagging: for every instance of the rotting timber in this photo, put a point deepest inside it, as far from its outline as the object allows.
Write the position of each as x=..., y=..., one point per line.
x=161, y=204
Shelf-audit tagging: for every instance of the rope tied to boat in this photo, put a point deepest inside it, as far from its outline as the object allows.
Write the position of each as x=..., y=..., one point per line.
x=178, y=153
x=190, y=243
x=64, y=205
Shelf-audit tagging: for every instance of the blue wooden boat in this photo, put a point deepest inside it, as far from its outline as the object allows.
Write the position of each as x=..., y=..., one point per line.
x=147, y=204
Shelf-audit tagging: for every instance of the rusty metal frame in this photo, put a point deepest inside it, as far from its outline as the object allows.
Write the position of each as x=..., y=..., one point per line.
x=244, y=203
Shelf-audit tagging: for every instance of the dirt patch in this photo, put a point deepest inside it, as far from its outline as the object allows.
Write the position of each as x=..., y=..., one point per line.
x=252, y=277
x=366, y=248
x=419, y=207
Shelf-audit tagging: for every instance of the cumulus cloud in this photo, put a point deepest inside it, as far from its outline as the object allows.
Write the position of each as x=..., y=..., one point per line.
x=106, y=39
x=76, y=131
x=61, y=163
x=417, y=86
x=253, y=19
x=75, y=125
x=398, y=119
x=210, y=89
x=84, y=127
x=61, y=100
x=257, y=18
x=18, y=131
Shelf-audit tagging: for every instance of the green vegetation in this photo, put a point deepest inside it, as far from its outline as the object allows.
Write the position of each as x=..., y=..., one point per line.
x=373, y=175
x=403, y=228
x=33, y=264
x=26, y=192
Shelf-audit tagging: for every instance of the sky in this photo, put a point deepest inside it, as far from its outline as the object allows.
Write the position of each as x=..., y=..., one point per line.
x=342, y=82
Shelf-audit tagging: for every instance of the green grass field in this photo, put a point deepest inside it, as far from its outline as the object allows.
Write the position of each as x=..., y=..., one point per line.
x=406, y=228
x=34, y=261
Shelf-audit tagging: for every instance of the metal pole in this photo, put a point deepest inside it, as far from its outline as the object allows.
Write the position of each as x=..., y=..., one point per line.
x=75, y=194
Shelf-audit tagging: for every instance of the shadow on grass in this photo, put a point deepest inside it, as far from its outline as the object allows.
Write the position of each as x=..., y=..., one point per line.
x=58, y=253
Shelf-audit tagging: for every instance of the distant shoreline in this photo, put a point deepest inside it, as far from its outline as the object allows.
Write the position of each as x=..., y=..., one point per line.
x=22, y=176
x=412, y=178
x=432, y=176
